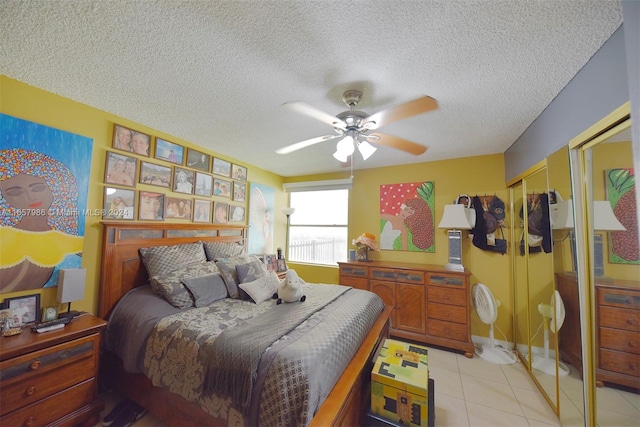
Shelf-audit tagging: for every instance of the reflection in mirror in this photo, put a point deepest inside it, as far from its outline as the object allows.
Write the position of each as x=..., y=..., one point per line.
x=615, y=271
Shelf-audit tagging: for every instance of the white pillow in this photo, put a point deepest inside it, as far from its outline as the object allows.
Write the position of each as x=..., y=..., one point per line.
x=263, y=288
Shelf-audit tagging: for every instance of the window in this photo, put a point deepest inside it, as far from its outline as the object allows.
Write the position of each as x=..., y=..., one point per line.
x=318, y=228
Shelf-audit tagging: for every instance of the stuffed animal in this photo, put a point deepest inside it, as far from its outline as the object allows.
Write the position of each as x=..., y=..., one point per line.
x=290, y=289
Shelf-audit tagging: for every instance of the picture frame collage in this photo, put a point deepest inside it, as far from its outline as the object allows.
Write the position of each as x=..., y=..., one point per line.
x=153, y=182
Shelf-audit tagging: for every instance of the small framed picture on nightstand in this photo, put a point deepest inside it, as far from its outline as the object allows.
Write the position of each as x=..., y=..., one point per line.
x=49, y=313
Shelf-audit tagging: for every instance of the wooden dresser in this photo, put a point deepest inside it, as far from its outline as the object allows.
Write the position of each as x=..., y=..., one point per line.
x=431, y=304
x=51, y=378
x=617, y=329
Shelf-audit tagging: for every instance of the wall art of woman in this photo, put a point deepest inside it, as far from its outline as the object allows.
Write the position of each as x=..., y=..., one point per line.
x=38, y=218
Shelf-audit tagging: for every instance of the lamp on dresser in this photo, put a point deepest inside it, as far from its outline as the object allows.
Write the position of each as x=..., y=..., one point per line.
x=70, y=288
x=454, y=218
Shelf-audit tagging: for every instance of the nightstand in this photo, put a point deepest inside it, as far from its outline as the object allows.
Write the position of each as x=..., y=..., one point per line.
x=51, y=378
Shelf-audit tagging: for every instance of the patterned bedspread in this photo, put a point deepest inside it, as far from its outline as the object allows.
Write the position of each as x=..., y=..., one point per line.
x=306, y=362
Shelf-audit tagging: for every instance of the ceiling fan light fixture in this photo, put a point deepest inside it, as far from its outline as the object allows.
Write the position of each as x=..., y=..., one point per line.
x=366, y=149
x=345, y=147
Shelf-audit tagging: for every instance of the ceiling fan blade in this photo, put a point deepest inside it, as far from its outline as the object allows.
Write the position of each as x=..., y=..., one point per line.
x=315, y=113
x=306, y=143
x=397, y=143
x=402, y=111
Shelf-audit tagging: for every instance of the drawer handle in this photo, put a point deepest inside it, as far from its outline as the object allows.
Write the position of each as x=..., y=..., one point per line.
x=632, y=344
x=445, y=281
x=633, y=367
x=35, y=365
x=30, y=391
x=29, y=421
x=632, y=322
x=446, y=297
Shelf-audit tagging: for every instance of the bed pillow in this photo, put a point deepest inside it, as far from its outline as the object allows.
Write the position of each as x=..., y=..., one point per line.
x=206, y=289
x=263, y=288
x=160, y=260
x=227, y=267
x=217, y=250
x=251, y=271
x=170, y=285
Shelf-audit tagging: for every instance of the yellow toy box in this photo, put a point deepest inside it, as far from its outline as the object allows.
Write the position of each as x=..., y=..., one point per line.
x=400, y=384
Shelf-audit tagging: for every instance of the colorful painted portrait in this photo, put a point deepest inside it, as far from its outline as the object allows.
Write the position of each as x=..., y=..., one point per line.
x=44, y=184
x=261, y=205
x=406, y=217
x=621, y=193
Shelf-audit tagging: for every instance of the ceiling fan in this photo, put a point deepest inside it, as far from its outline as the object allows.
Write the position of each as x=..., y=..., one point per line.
x=354, y=127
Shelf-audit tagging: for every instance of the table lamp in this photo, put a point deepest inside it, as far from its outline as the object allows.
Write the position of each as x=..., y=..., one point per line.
x=455, y=219
x=70, y=288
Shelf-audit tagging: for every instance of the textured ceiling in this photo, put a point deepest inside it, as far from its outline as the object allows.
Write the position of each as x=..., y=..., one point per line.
x=216, y=73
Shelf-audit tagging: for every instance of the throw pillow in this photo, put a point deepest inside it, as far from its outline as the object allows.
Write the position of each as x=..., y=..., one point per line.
x=160, y=260
x=263, y=288
x=227, y=267
x=206, y=289
x=170, y=285
x=250, y=271
x=217, y=250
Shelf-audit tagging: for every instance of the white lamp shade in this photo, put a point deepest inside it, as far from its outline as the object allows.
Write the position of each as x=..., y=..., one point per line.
x=288, y=211
x=366, y=149
x=455, y=217
x=603, y=217
x=562, y=215
x=71, y=285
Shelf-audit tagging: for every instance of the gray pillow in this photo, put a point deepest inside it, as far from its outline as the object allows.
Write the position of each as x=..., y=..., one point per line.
x=227, y=267
x=170, y=285
x=250, y=271
x=160, y=260
x=217, y=250
x=206, y=289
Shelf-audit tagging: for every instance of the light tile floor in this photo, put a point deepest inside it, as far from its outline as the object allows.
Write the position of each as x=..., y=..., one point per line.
x=474, y=392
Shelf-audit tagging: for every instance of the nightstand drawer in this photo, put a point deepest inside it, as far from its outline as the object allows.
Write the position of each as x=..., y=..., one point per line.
x=449, y=313
x=615, y=339
x=619, y=298
x=355, y=282
x=619, y=318
x=447, y=295
x=449, y=330
x=52, y=408
x=25, y=389
x=354, y=271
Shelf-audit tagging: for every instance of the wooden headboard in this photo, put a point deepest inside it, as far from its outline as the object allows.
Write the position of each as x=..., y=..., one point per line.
x=121, y=266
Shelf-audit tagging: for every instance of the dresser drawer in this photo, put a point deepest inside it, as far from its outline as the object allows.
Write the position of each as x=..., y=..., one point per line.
x=619, y=298
x=354, y=271
x=447, y=295
x=52, y=408
x=444, y=279
x=624, y=363
x=449, y=313
x=619, y=318
x=355, y=282
x=449, y=330
x=615, y=339
x=389, y=274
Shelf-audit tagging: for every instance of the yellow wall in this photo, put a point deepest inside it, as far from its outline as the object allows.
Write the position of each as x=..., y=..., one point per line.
x=474, y=175
x=29, y=103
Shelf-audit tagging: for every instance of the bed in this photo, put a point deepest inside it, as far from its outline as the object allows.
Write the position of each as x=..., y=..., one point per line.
x=124, y=280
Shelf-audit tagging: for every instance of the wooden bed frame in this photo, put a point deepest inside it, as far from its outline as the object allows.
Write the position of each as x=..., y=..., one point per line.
x=122, y=270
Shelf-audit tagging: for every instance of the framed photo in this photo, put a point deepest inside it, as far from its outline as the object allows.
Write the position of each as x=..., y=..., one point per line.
x=282, y=265
x=118, y=203
x=169, y=151
x=220, y=212
x=49, y=313
x=122, y=137
x=120, y=169
x=221, y=187
x=239, y=172
x=26, y=309
x=198, y=160
x=5, y=314
x=221, y=167
x=183, y=180
x=204, y=184
x=271, y=261
x=155, y=174
x=140, y=143
x=239, y=191
x=151, y=206
x=236, y=213
x=201, y=210
x=177, y=207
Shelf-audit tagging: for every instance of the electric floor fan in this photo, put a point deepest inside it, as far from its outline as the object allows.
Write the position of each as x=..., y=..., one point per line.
x=553, y=318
